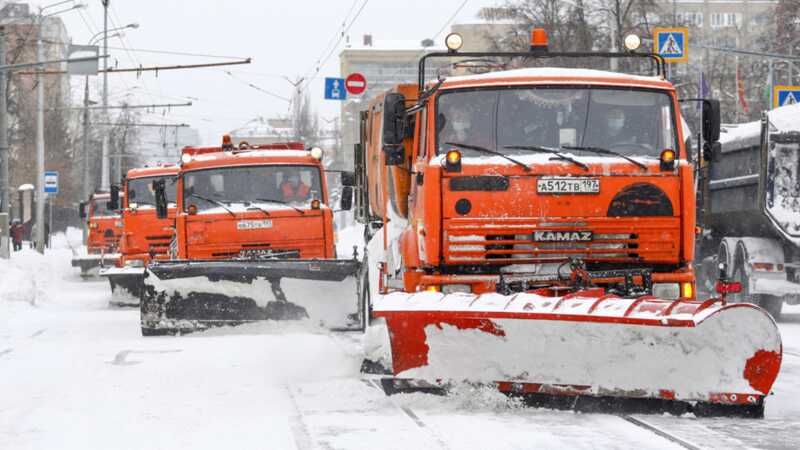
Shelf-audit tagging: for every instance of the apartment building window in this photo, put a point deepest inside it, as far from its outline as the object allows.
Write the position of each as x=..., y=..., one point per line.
x=724, y=20
x=691, y=18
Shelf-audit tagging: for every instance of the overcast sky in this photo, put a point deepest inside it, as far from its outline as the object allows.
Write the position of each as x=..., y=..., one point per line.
x=282, y=37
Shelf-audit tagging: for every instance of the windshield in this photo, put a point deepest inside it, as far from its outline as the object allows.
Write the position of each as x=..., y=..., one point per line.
x=100, y=208
x=628, y=121
x=140, y=190
x=295, y=185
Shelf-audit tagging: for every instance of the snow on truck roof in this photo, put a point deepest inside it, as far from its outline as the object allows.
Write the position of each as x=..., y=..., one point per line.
x=154, y=171
x=560, y=75
x=234, y=157
x=785, y=118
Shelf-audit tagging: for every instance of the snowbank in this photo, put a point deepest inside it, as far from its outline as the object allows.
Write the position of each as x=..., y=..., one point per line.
x=30, y=277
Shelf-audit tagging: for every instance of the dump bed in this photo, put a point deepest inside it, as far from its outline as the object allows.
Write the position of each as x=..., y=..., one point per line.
x=754, y=185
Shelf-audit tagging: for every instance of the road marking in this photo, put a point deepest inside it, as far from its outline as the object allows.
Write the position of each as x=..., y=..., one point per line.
x=6, y=351
x=38, y=333
x=652, y=428
x=119, y=359
x=416, y=419
x=300, y=433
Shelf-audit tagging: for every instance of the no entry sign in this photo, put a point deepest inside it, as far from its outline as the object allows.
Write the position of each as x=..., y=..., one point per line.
x=355, y=83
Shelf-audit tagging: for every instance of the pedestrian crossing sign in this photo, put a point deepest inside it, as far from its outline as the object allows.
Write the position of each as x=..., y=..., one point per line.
x=671, y=43
x=785, y=95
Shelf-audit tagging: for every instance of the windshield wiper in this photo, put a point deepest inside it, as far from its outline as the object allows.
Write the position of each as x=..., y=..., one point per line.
x=552, y=151
x=604, y=151
x=216, y=202
x=256, y=208
x=280, y=202
x=491, y=152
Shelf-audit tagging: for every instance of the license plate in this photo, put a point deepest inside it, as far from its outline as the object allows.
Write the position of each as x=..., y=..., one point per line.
x=265, y=254
x=562, y=236
x=568, y=185
x=253, y=224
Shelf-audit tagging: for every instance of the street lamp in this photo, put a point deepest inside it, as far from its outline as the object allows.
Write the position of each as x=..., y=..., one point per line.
x=40, y=120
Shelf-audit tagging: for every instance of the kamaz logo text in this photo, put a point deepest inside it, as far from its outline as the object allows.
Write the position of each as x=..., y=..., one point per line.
x=562, y=236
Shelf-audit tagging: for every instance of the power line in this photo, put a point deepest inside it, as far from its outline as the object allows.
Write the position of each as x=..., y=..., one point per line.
x=344, y=32
x=271, y=94
x=332, y=39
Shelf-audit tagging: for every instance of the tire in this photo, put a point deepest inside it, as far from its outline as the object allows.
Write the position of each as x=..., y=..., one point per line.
x=773, y=305
x=364, y=297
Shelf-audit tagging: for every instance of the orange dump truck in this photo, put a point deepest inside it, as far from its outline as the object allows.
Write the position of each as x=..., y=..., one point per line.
x=105, y=228
x=254, y=241
x=533, y=229
x=145, y=237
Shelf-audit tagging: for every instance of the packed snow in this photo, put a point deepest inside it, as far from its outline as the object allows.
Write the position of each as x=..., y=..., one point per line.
x=76, y=374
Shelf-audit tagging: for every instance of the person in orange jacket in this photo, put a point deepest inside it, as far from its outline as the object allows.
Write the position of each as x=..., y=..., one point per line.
x=294, y=190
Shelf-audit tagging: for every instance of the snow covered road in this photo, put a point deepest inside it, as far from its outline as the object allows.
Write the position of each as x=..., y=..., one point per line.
x=76, y=374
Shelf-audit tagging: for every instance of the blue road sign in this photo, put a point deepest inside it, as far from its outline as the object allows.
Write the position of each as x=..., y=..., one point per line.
x=334, y=89
x=672, y=43
x=786, y=95
x=51, y=182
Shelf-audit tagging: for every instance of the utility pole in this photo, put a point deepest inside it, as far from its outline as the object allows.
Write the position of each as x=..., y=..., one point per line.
x=4, y=182
x=105, y=183
x=39, y=194
x=85, y=141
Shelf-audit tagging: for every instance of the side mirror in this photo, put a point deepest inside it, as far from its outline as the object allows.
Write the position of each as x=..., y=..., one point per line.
x=347, y=198
x=161, y=198
x=348, y=179
x=716, y=151
x=113, y=204
x=82, y=210
x=394, y=120
x=711, y=120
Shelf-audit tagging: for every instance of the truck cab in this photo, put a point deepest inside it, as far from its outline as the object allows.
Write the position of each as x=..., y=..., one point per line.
x=104, y=223
x=144, y=235
x=250, y=202
x=516, y=180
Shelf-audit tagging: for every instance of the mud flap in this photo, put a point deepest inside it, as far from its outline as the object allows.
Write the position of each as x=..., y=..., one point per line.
x=126, y=284
x=190, y=295
x=584, y=344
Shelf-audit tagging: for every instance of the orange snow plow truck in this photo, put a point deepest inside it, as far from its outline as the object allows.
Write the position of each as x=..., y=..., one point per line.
x=144, y=236
x=533, y=229
x=254, y=240
x=102, y=241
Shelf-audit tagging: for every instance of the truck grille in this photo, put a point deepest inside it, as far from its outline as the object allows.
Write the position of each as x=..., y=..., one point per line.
x=158, y=245
x=513, y=242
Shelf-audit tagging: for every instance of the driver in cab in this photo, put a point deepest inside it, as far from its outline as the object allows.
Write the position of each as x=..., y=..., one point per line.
x=294, y=190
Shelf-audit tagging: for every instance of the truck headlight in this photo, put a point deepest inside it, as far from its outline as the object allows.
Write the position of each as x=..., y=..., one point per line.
x=134, y=263
x=456, y=289
x=667, y=291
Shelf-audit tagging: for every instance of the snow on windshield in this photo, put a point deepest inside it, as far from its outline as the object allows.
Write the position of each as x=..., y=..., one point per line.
x=629, y=121
x=294, y=185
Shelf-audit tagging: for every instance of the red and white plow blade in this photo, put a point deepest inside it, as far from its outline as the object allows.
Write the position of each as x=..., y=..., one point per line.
x=585, y=343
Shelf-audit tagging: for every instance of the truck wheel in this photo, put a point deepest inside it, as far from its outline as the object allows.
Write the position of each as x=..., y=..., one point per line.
x=772, y=304
x=364, y=297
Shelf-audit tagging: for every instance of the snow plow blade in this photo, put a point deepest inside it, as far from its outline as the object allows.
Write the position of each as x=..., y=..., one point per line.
x=714, y=358
x=90, y=264
x=126, y=284
x=182, y=296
